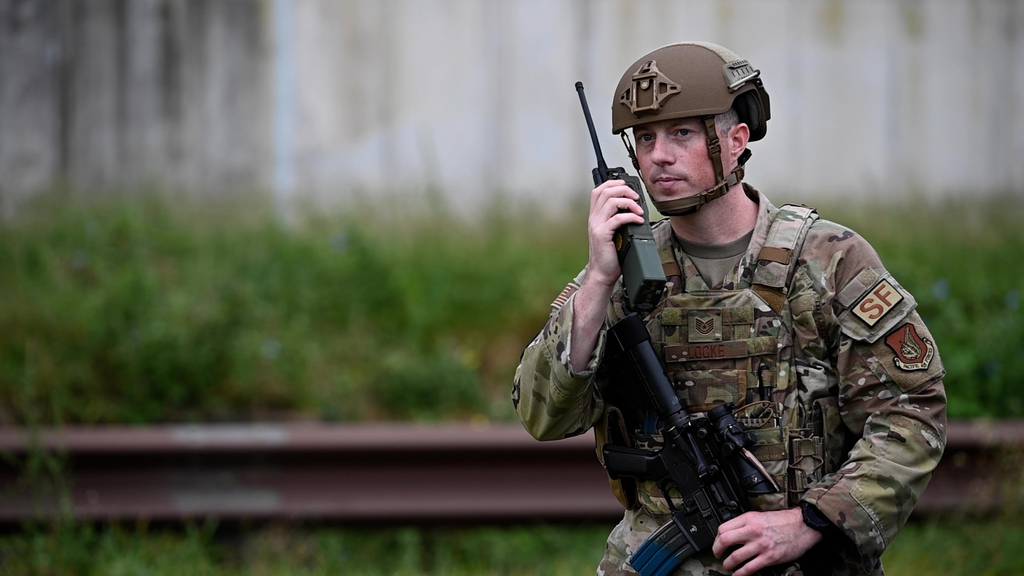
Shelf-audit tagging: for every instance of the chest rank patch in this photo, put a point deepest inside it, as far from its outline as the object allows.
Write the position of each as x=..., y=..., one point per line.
x=704, y=325
x=912, y=351
x=877, y=303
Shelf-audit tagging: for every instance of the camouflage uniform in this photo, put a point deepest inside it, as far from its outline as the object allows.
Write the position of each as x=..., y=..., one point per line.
x=853, y=420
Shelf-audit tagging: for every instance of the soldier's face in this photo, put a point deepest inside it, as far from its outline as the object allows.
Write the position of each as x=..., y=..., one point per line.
x=673, y=156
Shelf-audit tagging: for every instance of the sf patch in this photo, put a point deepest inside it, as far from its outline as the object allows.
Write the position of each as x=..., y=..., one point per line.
x=877, y=303
x=912, y=351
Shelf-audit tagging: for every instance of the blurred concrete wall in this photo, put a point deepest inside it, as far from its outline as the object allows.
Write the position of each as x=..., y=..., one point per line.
x=871, y=98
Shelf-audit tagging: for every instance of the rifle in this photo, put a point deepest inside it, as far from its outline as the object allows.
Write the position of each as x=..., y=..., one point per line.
x=704, y=460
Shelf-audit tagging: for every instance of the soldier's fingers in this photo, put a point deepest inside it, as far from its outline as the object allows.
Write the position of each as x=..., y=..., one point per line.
x=614, y=205
x=753, y=567
x=621, y=219
x=602, y=193
x=598, y=192
x=740, y=556
x=607, y=230
x=623, y=191
x=737, y=522
x=727, y=540
x=613, y=196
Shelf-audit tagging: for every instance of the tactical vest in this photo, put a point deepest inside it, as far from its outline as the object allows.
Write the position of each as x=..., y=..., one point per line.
x=735, y=345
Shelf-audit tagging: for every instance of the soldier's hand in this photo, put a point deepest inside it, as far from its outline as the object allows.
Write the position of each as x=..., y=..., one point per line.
x=612, y=204
x=756, y=540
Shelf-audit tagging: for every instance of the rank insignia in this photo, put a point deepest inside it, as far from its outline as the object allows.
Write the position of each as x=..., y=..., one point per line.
x=705, y=325
x=912, y=351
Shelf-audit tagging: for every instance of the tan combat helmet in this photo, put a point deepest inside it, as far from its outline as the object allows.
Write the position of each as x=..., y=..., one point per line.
x=685, y=80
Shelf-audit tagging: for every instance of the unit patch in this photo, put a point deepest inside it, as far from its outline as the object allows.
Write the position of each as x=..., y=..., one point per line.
x=912, y=351
x=877, y=303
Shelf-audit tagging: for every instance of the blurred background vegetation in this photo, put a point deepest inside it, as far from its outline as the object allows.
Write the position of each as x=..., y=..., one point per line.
x=159, y=309
x=162, y=309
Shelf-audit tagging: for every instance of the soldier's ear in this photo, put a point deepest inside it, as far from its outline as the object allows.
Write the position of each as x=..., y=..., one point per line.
x=739, y=136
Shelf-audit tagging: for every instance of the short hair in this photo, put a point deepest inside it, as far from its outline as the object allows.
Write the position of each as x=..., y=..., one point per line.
x=725, y=122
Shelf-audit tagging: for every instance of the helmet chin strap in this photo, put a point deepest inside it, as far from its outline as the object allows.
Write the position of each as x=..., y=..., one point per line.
x=691, y=204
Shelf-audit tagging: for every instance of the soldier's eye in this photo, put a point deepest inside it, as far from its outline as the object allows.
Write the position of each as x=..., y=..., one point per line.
x=645, y=138
x=683, y=132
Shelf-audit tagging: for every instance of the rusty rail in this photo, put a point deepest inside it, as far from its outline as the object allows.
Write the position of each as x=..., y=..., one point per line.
x=380, y=473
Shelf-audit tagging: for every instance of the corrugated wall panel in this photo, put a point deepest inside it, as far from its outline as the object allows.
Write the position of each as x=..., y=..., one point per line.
x=472, y=99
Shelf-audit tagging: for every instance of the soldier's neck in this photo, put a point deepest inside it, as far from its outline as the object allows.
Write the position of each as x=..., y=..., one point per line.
x=720, y=221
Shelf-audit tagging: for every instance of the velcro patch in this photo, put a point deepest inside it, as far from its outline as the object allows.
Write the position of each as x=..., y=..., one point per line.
x=913, y=352
x=759, y=346
x=705, y=325
x=874, y=303
x=882, y=298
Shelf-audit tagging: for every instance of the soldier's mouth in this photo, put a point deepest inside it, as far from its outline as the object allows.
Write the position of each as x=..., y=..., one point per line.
x=667, y=178
x=666, y=182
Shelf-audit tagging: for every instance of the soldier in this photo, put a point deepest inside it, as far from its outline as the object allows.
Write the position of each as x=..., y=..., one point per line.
x=792, y=318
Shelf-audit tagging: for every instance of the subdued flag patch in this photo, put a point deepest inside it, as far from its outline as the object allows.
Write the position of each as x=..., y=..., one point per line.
x=564, y=295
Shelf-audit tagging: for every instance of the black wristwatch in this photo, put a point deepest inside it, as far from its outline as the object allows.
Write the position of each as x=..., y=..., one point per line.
x=821, y=558
x=815, y=519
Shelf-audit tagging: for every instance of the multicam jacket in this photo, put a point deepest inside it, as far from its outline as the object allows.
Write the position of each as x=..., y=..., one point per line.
x=820, y=349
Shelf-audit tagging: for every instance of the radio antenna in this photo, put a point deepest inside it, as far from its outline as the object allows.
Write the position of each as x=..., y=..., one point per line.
x=602, y=168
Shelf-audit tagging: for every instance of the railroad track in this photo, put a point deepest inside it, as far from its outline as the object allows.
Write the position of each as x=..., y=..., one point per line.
x=381, y=473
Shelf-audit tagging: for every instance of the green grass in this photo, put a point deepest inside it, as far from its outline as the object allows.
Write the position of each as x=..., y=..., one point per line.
x=138, y=312
x=972, y=547
x=952, y=548
x=279, y=551
x=149, y=310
